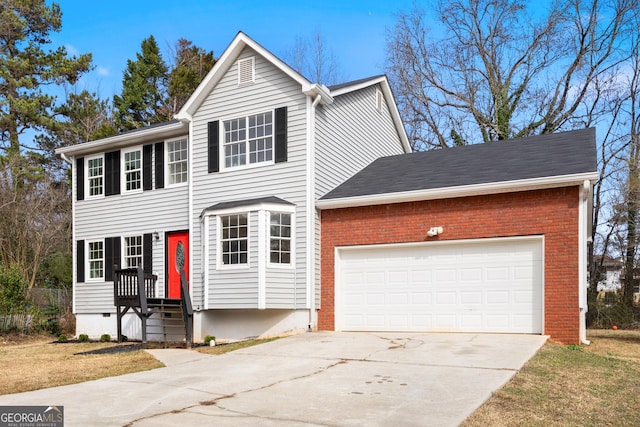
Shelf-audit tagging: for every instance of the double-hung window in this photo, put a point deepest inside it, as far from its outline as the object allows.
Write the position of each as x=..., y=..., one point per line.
x=248, y=140
x=280, y=238
x=95, y=176
x=177, y=161
x=133, y=251
x=235, y=239
x=132, y=170
x=95, y=259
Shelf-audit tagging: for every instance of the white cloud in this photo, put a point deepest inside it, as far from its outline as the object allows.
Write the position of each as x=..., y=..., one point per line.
x=102, y=71
x=71, y=50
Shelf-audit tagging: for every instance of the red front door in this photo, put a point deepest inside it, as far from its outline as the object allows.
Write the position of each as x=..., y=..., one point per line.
x=177, y=254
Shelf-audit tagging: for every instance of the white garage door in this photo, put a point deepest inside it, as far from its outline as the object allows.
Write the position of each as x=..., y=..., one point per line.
x=485, y=285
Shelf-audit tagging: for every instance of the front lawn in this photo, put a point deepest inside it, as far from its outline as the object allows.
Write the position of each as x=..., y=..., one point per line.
x=596, y=385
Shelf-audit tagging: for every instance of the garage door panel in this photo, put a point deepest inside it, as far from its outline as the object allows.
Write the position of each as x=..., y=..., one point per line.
x=489, y=285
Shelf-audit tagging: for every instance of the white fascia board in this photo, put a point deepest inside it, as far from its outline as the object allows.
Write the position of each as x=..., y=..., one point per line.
x=126, y=139
x=223, y=64
x=391, y=103
x=459, y=191
x=271, y=207
x=315, y=89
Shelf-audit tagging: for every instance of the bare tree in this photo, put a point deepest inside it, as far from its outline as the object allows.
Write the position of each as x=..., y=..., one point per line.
x=490, y=69
x=36, y=216
x=313, y=59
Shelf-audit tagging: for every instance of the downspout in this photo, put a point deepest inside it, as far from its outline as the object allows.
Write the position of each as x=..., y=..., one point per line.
x=583, y=230
x=311, y=212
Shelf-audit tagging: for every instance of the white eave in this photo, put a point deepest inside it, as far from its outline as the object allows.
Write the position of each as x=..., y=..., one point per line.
x=459, y=191
x=151, y=134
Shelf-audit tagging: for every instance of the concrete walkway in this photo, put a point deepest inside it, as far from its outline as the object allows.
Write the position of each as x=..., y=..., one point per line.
x=312, y=379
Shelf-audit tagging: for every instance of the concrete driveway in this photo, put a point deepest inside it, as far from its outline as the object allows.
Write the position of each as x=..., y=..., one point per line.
x=312, y=379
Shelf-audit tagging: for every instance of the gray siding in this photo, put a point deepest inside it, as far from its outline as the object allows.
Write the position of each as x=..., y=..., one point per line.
x=234, y=287
x=272, y=89
x=157, y=210
x=350, y=134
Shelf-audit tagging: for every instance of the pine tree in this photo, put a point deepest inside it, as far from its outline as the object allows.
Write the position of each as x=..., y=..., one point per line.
x=26, y=67
x=191, y=65
x=143, y=99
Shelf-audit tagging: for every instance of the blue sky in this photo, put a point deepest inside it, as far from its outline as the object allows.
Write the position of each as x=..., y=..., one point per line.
x=355, y=31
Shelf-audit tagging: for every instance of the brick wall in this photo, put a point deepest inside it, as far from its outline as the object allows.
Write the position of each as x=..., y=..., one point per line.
x=552, y=213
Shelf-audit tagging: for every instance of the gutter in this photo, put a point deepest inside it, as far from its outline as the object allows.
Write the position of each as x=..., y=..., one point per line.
x=458, y=191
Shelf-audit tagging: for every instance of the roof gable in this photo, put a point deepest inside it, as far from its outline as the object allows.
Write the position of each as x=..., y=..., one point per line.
x=224, y=63
x=540, y=158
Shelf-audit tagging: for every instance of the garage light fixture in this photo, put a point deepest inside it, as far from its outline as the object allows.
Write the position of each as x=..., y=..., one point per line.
x=434, y=231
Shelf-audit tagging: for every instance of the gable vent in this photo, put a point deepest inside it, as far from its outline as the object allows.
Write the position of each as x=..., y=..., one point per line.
x=379, y=100
x=246, y=71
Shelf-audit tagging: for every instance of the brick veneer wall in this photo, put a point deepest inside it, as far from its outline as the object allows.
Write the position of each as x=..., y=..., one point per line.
x=550, y=212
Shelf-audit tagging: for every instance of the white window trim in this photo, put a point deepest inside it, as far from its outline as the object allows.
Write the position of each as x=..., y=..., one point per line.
x=123, y=172
x=166, y=162
x=87, y=275
x=246, y=62
x=247, y=165
x=87, y=189
x=219, y=264
x=123, y=249
x=291, y=265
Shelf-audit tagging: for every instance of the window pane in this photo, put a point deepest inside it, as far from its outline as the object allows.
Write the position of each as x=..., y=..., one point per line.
x=234, y=239
x=280, y=238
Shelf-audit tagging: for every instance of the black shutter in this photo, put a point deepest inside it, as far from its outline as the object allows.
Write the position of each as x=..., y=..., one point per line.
x=111, y=256
x=214, y=150
x=80, y=178
x=159, y=164
x=147, y=172
x=281, y=135
x=80, y=261
x=147, y=251
x=112, y=173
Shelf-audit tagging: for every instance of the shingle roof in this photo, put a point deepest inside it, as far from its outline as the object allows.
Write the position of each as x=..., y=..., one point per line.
x=246, y=202
x=558, y=154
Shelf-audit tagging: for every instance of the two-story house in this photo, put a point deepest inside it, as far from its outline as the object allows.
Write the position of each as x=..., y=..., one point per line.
x=233, y=183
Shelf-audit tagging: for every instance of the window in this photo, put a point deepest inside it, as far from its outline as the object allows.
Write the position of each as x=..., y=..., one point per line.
x=96, y=259
x=253, y=135
x=95, y=176
x=133, y=170
x=177, y=161
x=133, y=251
x=280, y=238
x=235, y=240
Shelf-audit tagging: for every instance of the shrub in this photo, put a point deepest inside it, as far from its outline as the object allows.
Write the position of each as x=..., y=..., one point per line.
x=13, y=291
x=83, y=338
x=105, y=338
x=62, y=338
x=208, y=339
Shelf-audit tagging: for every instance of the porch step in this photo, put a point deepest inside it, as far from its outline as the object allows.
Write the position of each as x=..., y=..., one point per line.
x=166, y=324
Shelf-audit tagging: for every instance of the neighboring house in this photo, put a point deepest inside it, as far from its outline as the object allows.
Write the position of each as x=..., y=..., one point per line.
x=612, y=279
x=481, y=238
x=233, y=181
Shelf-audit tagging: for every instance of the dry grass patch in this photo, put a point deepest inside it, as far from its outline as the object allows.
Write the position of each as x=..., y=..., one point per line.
x=596, y=385
x=38, y=363
x=226, y=348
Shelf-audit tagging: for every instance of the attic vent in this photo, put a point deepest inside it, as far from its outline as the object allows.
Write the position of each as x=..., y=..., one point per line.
x=379, y=100
x=246, y=71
